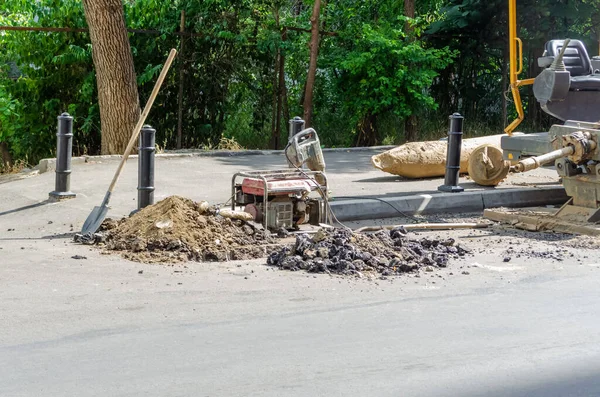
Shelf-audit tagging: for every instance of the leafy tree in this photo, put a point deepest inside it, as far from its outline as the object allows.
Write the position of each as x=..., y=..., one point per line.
x=245, y=63
x=378, y=68
x=45, y=74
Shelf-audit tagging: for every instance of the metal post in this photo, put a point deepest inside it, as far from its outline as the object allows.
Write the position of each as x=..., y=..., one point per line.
x=296, y=125
x=146, y=167
x=64, y=149
x=455, y=133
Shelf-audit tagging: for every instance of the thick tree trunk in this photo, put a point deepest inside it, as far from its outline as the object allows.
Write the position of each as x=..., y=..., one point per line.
x=411, y=122
x=312, y=67
x=115, y=74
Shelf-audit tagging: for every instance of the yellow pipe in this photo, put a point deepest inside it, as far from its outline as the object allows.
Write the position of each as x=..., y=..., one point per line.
x=521, y=83
x=520, y=56
x=512, y=39
x=516, y=59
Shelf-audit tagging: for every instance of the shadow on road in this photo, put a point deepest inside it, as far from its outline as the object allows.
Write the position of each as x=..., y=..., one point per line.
x=336, y=162
x=27, y=207
x=50, y=237
x=570, y=383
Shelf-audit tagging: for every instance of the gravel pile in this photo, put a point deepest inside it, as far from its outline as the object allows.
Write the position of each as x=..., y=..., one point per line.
x=340, y=251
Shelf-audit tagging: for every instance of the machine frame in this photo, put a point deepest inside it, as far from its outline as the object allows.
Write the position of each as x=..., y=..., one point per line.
x=266, y=177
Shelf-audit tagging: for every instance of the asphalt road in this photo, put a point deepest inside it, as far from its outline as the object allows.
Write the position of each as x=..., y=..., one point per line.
x=96, y=326
x=104, y=326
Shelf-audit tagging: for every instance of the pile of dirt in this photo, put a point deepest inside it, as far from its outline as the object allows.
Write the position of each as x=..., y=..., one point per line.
x=179, y=229
x=340, y=251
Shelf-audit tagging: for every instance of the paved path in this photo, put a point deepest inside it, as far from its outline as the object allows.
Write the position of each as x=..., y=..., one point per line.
x=209, y=178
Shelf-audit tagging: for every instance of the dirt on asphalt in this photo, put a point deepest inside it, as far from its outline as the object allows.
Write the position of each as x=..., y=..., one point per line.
x=179, y=229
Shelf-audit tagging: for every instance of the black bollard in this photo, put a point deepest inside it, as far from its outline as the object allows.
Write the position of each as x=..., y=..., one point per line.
x=146, y=167
x=453, y=155
x=64, y=149
x=296, y=125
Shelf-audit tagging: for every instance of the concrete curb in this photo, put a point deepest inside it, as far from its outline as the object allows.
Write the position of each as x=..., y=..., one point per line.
x=49, y=164
x=474, y=201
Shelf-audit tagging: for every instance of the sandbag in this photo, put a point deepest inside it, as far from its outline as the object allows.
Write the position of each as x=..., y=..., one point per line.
x=427, y=159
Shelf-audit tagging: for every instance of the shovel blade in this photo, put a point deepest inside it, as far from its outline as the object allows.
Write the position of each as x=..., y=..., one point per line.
x=94, y=220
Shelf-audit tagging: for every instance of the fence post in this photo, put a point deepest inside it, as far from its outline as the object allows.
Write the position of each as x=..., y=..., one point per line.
x=64, y=149
x=296, y=125
x=146, y=167
x=455, y=133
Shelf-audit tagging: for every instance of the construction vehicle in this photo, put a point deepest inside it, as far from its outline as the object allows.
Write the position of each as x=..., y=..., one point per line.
x=573, y=98
x=290, y=197
x=568, y=88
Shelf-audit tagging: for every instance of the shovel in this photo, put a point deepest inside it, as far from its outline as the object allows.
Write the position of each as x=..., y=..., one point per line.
x=96, y=217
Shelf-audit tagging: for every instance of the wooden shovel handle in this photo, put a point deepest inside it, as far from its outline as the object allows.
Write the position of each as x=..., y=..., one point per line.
x=140, y=123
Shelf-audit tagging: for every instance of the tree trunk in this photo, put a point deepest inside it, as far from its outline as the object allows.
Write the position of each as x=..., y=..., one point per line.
x=115, y=74
x=5, y=156
x=274, y=132
x=278, y=78
x=505, y=87
x=411, y=128
x=181, y=83
x=411, y=123
x=532, y=104
x=280, y=92
x=312, y=67
x=286, y=107
x=367, y=133
x=409, y=12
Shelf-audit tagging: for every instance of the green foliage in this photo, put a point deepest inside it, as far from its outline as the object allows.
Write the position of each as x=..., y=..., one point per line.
x=46, y=74
x=224, y=70
x=382, y=73
x=377, y=69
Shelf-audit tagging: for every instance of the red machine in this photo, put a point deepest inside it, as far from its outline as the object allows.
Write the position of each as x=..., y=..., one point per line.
x=287, y=198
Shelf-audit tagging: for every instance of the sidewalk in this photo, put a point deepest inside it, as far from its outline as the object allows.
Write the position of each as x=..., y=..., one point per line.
x=24, y=205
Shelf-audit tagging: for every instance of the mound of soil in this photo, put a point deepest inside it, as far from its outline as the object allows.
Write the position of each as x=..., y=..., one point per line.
x=340, y=251
x=179, y=229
